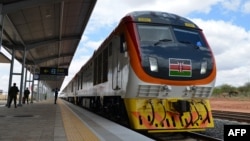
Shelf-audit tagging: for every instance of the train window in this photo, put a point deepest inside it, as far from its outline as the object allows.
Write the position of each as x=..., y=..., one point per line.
x=188, y=37
x=99, y=75
x=101, y=67
x=110, y=49
x=154, y=33
x=105, y=65
x=82, y=78
x=72, y=87
x=122, y=41
x=78, y=83
x=95, y=71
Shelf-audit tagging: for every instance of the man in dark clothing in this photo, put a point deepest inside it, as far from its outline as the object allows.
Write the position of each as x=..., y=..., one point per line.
x=56, y=94
x=26, y=95
x=13, y=94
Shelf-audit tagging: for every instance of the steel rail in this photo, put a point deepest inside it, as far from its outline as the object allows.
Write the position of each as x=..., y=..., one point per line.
x=229, y=115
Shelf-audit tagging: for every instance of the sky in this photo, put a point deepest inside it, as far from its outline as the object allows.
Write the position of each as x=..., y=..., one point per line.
x=225, y=23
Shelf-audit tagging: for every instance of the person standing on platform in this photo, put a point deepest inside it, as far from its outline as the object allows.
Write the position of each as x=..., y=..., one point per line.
x=26, y=95
x=13, y=94
x=56, y=94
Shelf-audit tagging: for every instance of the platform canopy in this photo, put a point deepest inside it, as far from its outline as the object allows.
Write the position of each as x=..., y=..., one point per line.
x=49, y=31
x=4, y=58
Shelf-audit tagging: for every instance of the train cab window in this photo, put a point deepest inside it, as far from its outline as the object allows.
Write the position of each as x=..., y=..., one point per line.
x=189, y=37
x=155, y=34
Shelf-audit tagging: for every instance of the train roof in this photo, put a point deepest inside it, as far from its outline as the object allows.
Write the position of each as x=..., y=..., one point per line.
x=159, y=17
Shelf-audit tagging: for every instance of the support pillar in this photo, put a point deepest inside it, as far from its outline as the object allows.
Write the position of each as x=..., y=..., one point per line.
x=32, y=85
x=11, y=71
x=21, y=83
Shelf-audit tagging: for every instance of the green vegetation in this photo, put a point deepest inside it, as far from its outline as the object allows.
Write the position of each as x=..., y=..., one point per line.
x=228, y=90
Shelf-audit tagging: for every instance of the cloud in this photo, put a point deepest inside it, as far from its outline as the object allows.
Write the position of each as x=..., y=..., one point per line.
x=4, y=78
x=232, y=5
x=230, y=44
x=105, y=15
x=235, y=77
x=246, y=8
x=5, y=72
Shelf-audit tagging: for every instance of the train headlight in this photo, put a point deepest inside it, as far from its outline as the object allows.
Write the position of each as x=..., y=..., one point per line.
x=203, y=67
x=153, y=64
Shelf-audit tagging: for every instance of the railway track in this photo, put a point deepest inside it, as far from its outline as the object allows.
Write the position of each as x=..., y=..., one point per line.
x=183, y=136
x=235, y=116
x=197, y=136
x=202, y=137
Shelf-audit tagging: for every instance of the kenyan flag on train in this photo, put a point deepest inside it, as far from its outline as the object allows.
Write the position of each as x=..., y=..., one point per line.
x=180, y=67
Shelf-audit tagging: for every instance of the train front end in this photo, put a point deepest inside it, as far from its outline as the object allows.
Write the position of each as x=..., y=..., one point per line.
x=171, y=75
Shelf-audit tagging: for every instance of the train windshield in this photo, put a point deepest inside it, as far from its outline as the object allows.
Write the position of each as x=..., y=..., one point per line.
x=149, y=33
x=188, y=37
x=161, y=46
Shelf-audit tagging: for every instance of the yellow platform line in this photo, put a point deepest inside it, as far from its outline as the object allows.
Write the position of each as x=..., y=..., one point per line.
x=75, y=129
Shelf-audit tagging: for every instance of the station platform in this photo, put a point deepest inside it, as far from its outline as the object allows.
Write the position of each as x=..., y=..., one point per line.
x=46, y=121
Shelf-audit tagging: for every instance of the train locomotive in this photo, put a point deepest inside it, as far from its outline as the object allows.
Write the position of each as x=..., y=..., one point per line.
x=156, y=70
